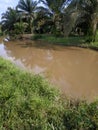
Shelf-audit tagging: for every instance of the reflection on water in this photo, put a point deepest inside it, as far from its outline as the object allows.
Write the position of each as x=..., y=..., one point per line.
x=73, y=70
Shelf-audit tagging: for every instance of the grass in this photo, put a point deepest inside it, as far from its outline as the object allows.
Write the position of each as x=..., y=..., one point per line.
x=29, y=102
x=67, y=41
x=59, y=40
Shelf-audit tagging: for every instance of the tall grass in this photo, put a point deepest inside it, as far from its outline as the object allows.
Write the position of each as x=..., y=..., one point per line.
x=29, y=102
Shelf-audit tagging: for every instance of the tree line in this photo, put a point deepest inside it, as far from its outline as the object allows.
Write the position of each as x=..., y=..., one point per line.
x=58, y=17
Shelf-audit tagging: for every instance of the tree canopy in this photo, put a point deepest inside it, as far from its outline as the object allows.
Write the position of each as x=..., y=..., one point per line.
x=61, y=16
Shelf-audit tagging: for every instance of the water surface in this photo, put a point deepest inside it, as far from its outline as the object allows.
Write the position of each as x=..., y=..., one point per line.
x=73, y=70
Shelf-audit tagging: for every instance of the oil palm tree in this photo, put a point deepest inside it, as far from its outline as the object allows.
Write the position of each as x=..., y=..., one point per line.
x=54, y=7
x=9, y=18
x=89, y=15
x=27, y=8
x=94, y=17
x=79, y=11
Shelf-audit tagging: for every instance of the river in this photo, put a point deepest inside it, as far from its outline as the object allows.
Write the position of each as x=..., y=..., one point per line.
x=73, y=70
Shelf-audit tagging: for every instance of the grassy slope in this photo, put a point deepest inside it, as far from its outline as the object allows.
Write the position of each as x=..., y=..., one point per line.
x=28, y=102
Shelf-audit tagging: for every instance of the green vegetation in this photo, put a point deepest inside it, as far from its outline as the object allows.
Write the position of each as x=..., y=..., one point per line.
x=27, y=9
x=28, y=102
x=56, y=17
x=59, y=40
x=67, y=41
x=9, y=18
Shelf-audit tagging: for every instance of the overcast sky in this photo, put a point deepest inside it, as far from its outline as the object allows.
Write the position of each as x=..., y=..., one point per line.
x=4, y=4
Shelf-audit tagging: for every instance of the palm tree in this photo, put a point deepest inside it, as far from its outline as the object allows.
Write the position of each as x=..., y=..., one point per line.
x=89, y=15
x=79, y=11
x=54, y=8
x=70, y=13
x=43, y=22
x=9, y=18
x=28, y=8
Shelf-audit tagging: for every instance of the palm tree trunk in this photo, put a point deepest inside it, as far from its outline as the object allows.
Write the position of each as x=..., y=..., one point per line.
x=94, y=21
x=30, y=25
x=69, y=22
x=94, y=26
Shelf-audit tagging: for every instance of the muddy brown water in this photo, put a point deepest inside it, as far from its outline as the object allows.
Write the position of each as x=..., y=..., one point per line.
x=73, y=70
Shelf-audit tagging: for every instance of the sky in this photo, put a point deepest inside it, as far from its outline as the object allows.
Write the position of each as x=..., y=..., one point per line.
x=4, y=4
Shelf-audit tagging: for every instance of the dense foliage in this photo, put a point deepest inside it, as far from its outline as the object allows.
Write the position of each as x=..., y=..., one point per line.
x=58, y=17
x=9, y=18
x=27, y=8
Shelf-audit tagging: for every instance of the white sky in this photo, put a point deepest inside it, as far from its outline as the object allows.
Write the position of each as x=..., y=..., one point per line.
x=4, y=4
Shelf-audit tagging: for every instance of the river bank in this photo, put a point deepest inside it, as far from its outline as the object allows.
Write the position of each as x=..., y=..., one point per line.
x=75, y=41
x=29, y=102
x=67, y=41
